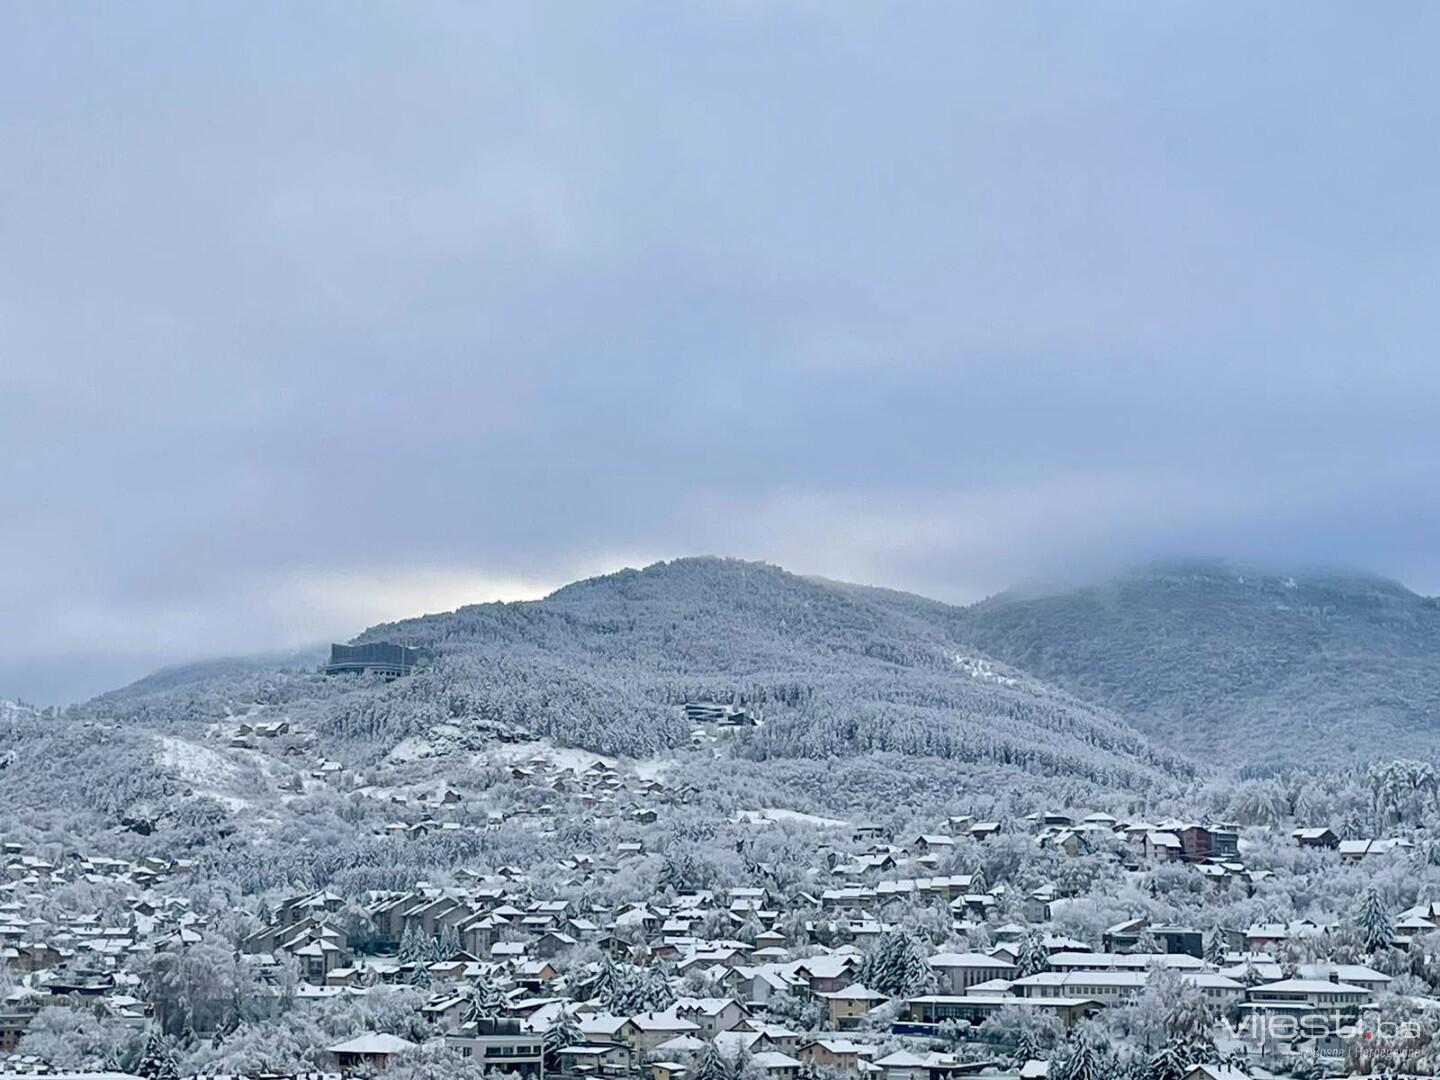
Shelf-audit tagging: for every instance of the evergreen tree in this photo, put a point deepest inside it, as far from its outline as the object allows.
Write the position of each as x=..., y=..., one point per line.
x=743, y=1067
x=1354, y=827
x=1373, y=921
x=157, y=1060
x=676, y=872
x=1215, y=947
x=711, y=1064
x=607, y=983
x=656, y=991
x=483, y=999
x=979, y=883
x=449, y=942
x=1027, y=1048
x=411, y=945
x=1289, y=964
x=560, y=1034
x=1033, y=957
x=898, y=967
x=1168, y=1064
x=1081, y=1059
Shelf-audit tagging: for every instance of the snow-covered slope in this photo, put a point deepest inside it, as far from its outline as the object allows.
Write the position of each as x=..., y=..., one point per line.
x=1243, y=665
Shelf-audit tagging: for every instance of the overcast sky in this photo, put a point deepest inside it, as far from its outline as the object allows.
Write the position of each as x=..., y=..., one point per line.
x=316, y=314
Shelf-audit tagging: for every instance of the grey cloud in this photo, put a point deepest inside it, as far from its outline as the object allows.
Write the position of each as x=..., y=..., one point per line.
x=941, y=299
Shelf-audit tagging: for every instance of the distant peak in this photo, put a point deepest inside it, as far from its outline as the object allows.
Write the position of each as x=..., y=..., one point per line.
x=689, y=567
x=1208, y=570
x=1235, y=571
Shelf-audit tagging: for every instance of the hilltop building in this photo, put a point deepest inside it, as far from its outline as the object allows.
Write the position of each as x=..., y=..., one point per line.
x=380, y=657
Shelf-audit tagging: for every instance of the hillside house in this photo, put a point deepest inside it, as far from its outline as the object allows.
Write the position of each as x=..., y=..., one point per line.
x=501, y=1044
x=367, y=1053
x=1310, y=1002
x=1355, y=850
x=844, y=1008
x=1200, y=842
x=974, y=1009
x=843, y=1055
x=957, y=972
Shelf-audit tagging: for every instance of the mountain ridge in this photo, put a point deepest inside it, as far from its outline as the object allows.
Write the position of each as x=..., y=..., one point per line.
x=604, y=665
x=1233, y=663
x=1321, y=666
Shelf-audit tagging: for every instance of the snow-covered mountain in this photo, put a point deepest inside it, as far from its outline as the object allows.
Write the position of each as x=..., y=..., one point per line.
x=870, y=706
x=837, y=670
x=1235, y=664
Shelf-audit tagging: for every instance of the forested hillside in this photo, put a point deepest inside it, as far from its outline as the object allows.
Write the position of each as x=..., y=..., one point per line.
x=604, y=665
x=869, y=707
x=1217, y=664
x=1240, y=666
x=837, y=671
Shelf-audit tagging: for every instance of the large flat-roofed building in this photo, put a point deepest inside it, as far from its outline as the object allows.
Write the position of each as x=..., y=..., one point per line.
x=976, y=1008
x=500, y=1044
x=379, y=657
x=714, y=712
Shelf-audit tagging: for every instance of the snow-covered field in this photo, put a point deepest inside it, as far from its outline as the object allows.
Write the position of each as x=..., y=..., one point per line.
x=761, y=817
x=978, y=668
x=421, y=747
x=210, y=772
x=415, y=748
x=561, y=757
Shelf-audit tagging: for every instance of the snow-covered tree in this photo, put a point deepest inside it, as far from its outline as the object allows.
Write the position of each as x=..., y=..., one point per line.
x=1373, y=921
x=448, y=942
x=483, y=999
x=710, y=1065
x=979, y=883
x=898, y=967
x=412, y=945
x=562, y=1032
x=1028, y=1048
x=1032, y=957
x=157, y=1060
x=1168, y=1063
x=1082, y=1058
x=607, y=982
x=1215, y=946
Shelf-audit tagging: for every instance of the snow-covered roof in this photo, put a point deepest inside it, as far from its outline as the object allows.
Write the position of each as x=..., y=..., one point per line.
x=1311, y=986
x=855, y=992
x=774, y=1059
x=968, y=960
x=373, y=1042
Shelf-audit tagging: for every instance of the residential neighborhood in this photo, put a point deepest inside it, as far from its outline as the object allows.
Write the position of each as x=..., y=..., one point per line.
x=880, y=957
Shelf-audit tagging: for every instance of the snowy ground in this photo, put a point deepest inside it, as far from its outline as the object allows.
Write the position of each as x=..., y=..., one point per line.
x=415, y=748
x=561, y=757
x=761, y=817
x=653, y=768
x=978, y=668
x=208, y=771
